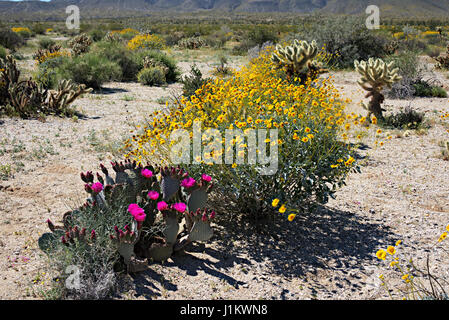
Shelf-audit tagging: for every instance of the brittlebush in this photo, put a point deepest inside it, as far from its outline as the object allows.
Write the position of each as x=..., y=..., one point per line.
x=314, y=156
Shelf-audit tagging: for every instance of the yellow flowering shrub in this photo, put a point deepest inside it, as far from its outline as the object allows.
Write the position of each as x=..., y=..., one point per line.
x=146, y=41
x=313, y=154
x=22, y=31
x=48, y=55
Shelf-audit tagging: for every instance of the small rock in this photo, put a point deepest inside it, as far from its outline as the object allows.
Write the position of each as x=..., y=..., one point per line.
x=372, y=211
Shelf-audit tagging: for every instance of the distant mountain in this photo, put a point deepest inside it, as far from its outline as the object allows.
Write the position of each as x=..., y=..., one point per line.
x=11, y=10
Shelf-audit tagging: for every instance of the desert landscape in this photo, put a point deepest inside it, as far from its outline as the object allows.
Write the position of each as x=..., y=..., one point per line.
x=379, y=190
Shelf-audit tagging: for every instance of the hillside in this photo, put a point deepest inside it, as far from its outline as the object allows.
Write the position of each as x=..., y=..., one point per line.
x=104, y=8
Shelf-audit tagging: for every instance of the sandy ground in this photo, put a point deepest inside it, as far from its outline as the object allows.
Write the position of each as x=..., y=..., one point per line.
x=402, y=193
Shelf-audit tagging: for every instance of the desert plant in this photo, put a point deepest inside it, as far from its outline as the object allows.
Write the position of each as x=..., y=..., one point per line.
x=46, y=43
x=298, y=60
x=89, y=69
x=346, y=38
x=10, y=39
x=80, y=44
x=152, y=76
x=406, y=118
x=146, y=41
x=26, y=98
x=375, y=75
x=24, y=32
x=2, y=52
x=158, y=58
x=162, y=211
x=443, y=60
x=193, y=81
x=192, y=43
x=309, y=159
x=116, y=52
x=425, y=89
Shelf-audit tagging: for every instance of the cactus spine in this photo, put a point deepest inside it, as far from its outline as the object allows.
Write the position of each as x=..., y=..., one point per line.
x=375, y=75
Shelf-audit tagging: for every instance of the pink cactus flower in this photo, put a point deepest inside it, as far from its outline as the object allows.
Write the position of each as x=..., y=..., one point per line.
x=97, y=187
x=206, y=178
x=162, y=205
x=180, y=207
x=188, y=182
x=212, y=214
x=153, y=195
x=137, y=212
x=147, y=173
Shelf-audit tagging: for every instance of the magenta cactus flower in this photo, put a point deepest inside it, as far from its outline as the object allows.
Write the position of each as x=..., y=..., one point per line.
x=147, y=173
x=153, y=195
x=188, y=182
x=180, y=207
x=137, y=212
x=206, y=178
x=162, y=205
x=97, y=187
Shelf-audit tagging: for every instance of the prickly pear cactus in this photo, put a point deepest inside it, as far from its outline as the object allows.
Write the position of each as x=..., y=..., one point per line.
x=159, y=201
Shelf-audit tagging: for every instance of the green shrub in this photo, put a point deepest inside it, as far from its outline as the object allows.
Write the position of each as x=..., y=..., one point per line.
x=424, y=89
x=172, y=73
x=89, y=69
x=10, y=39
x=346, y=38
x=2, y=52
x=46, y=43
x=406, y=118
x=193, y=82
x=409, y=70
x=97, y=35
x=117, y=53
x=152, y=76
x=38, y=28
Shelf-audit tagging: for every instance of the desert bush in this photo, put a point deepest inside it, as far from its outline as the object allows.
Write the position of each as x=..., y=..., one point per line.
x=116, y=52
x=152, y=76
x=46, y=43
x=193, y=82
x=128, y=219
x=146, y=41
x=192, y=43
x=172, y=38
x=24, y=32
x=313, y=158
x=38, y=28
x=97, y=35
x=405, y=118
x=89, y=69
x=157, y=57
x=10, y=39
x=2, y=52
x=346, y=38
x=424, y=89
x=409, y=70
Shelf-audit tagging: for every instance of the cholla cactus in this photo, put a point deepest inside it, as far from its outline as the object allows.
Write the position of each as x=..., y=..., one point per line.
x=298, y=60
x=375, y=75
x=80, y=44
x=192, y=43
x=443, y=60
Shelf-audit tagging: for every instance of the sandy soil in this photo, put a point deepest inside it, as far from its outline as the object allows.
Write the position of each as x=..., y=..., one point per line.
x=402, y=193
